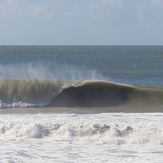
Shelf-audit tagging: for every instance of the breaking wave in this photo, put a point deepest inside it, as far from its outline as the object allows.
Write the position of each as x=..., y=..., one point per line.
x=41, y=93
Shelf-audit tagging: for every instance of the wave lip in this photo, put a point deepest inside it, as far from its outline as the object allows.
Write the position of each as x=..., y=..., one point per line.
x=93, y=94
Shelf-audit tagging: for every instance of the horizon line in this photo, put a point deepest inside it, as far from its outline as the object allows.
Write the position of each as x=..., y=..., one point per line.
x=81, y=44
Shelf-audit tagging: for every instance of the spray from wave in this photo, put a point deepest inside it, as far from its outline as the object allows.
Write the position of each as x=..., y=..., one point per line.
x=49, y=71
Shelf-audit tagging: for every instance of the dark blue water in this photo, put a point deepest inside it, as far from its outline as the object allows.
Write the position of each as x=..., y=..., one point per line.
x=136, y=65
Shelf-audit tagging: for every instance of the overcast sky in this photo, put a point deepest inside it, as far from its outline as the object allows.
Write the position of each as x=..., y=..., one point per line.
x=81, y=22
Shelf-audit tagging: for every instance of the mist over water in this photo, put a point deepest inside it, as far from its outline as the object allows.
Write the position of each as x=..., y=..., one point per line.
x=137, y=65
x=48, y=71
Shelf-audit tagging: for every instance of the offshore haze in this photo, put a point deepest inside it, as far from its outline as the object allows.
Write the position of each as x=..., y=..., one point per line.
x=86, y=22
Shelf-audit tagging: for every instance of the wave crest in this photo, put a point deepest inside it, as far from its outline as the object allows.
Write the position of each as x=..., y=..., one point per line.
x=37, y=93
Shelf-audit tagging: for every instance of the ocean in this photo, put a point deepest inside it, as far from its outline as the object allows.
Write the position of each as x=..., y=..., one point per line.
x=81, y=104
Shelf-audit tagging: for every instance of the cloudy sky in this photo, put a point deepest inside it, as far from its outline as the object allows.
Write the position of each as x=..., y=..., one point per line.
x=133, y=22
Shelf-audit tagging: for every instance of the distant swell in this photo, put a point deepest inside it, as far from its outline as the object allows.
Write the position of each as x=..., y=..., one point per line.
x=41, y=93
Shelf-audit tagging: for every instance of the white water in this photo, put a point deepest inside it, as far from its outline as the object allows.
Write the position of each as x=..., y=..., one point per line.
x=116, y=137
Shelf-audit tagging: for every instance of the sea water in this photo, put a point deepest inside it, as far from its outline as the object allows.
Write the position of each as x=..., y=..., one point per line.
x=81, y=104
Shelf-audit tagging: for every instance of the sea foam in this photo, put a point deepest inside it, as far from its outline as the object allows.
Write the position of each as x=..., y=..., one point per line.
x=109, y=129
x=95, y=138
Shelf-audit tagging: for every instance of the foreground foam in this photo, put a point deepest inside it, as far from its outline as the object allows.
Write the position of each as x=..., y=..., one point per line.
x=97, y=138
x=113, y=129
